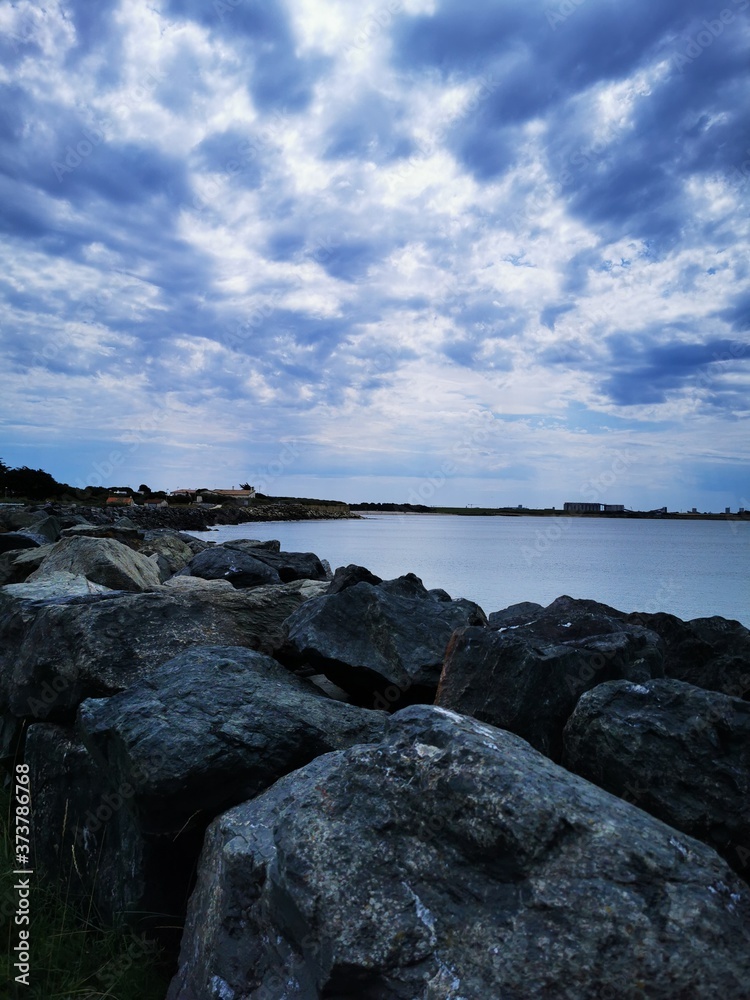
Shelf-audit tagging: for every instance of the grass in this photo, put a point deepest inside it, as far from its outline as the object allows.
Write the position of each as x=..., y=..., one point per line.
x=73, y=957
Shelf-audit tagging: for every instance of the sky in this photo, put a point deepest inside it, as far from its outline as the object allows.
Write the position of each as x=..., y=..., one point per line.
x=441, y=251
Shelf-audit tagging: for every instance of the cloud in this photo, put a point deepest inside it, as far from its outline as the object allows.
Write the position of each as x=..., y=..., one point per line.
x=362, y=229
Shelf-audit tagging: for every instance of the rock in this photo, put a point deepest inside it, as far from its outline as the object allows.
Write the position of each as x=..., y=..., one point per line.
x=174, y=552
x=292, y=565
x=250, y=545
x=515, y=615
x=184, y=583
x=259, y=723
x=85, y=834
x=712, y=653
x=528, y=679
x=383, y=643
x=349, y=576
x=677, y=751
x=12, y=541
x=455, y=861
x=54, y=587
x=195, y=545
x=101, y=560
x=128, y=534
x=55, y=654
x=241, y=569
x=48, y=527
x=17, y=565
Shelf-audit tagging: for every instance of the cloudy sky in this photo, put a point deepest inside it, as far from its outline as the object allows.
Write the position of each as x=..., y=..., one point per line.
x=472, y=252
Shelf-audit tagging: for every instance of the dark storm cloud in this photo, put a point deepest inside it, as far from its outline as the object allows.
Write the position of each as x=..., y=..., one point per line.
x=543, y=63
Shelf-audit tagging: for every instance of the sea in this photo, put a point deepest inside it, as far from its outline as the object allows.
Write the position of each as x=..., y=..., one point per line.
x=692, y=569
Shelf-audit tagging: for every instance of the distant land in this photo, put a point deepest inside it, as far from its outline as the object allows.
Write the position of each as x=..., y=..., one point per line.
x=26, y=485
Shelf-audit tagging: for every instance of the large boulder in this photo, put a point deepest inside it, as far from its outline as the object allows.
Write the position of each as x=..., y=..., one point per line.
x=240, y=568
x=677, y=751
x=86, y=836
x=292, y=565
x=53, y=654
x=350, y=576
x=712, y=653
x=384, y=641
x=453, y=860
x=259, y=723
x=528, y=678
x=101, y=560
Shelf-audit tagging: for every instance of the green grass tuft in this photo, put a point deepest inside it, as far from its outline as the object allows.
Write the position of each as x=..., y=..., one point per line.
x=73, y=957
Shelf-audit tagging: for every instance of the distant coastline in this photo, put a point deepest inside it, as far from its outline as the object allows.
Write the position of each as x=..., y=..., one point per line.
x=392, y=508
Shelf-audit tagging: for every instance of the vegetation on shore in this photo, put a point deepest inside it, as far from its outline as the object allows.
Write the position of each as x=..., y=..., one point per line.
x=73, y=955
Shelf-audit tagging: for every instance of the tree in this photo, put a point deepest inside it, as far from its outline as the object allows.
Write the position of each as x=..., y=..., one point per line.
x=143, y=488
x=36, y=484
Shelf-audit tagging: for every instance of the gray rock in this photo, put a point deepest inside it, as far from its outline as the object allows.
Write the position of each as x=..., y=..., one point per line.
x=456, y=861
x=17, y=565
x=58, y=586
x=251, y=545
x=54, y=654
x=13, y=541
x=259, y=723
x=292, y=565
x=350, y=576
x=241, y=569
x=528, y=679
x=85, y=833
x=48, y=527
x=101, y=560
x=369, y=639
x=515, y=615
x=129, y=534
x=184, y=583
x=195, y=545
x=677, y=751
x=174, y=552
x=712, y=653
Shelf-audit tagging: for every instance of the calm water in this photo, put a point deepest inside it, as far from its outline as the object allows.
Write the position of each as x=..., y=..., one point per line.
x=690, y=569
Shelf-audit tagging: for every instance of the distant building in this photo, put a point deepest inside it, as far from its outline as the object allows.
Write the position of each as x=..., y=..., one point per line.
x=582, y=508
x=242, y=497
x=118, y=500
x=613, y=507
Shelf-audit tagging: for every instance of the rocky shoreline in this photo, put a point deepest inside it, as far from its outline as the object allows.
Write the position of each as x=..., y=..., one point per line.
x=357, y=788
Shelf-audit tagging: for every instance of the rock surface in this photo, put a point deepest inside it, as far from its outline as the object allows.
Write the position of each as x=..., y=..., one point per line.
x=455, y=861
x=527, y=679
x=238, y=567
x=101, y=560
x=712, y=653
x=85, y=834
x=677, y=751
x=259, y=723
x=14, y=541
x=349, y=576
x=367, y=637
x=55, y=654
